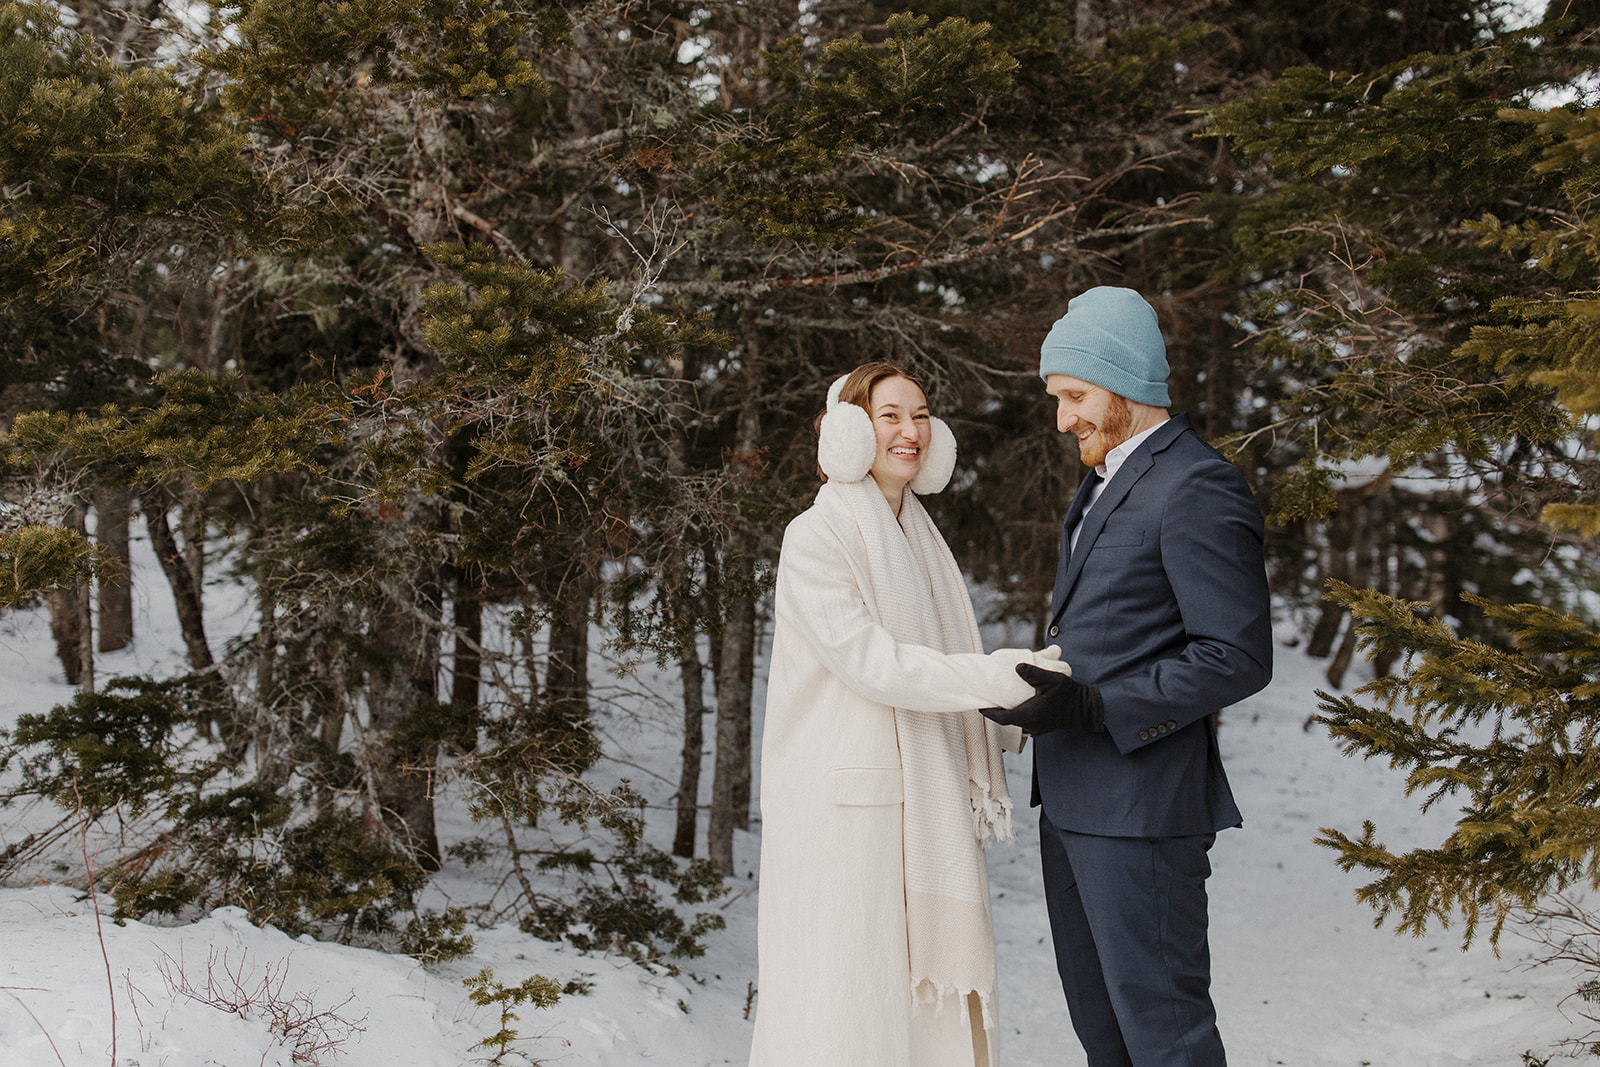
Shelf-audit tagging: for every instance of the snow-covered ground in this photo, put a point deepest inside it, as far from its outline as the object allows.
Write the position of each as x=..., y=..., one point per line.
x=1301, y=977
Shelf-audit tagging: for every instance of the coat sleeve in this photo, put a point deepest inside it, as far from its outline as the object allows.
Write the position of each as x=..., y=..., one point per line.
x=1211, y=551
x=818, y=597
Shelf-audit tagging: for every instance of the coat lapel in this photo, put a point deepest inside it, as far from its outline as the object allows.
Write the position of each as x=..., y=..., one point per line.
x=1115, y=492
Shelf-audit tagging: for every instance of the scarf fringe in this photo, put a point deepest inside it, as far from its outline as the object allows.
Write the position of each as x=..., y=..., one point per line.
x=928, y=992
x=991, y=818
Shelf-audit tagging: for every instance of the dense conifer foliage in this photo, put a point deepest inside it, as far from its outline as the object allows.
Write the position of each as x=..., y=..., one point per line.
x=460, y=334
x=1427, y=285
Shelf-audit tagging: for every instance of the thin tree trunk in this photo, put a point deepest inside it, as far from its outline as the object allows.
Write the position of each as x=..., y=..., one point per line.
x=730, y=785
x=566, y=671
x=466, y=665
x=86, y=636
x=1341, y=659
x=1339, y=548
x=692, y=674
x=731, y=775
x=116, y=595
x=329, y=710
x=744, y=693
x=70, y=622
x=686, y=603
x=266, y=670
x=1360, y=574
x=185, y=593
x=1393, y=571
x=193, y=520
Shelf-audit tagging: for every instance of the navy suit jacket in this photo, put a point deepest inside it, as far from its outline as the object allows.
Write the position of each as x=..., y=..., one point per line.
x=1164, y=606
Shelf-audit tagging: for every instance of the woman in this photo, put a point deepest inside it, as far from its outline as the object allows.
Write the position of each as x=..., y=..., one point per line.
x=879, y=780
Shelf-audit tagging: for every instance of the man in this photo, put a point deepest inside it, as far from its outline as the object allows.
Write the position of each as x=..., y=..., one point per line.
x=1161, y=609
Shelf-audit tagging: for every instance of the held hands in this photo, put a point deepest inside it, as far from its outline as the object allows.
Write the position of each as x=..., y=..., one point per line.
x=1049, y=658
x=1059, y=702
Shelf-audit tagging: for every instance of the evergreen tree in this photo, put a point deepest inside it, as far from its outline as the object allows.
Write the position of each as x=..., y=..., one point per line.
x=1367, y=285
x=1512, y=731
x=424, y=439
x=1445, y=322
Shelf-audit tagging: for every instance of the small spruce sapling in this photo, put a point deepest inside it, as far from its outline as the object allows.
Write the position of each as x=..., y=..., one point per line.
x=484, y=991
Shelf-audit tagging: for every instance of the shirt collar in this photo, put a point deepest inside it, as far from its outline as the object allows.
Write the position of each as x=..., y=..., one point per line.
x=1117, y=456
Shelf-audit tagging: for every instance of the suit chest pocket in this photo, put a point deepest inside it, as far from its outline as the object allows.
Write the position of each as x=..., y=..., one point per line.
x=1127, y=537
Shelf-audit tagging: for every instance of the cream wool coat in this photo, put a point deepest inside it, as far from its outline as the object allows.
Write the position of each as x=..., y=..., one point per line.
x=834, y=978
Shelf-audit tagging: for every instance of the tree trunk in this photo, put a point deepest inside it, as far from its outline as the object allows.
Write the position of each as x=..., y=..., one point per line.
x=692, y=675
x=730, y=784
x=185, y=593
x=116, y=596
x=402, y=685
x=266, y=669
x=193, y=520
x=329, y=710
x=1339, y=548
x=70, y=623
x=1341, y=659
x=1360, y=573
x=688, y=606
x=566, y=674
x=744, y=692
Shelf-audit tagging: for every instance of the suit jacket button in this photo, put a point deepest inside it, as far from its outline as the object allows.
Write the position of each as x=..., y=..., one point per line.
x=1144, y=735
x=1055, y=631
x=1172, y=725
x=1161, y=729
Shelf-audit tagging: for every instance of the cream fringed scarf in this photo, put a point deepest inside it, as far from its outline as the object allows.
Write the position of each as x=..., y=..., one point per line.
x=954, y=781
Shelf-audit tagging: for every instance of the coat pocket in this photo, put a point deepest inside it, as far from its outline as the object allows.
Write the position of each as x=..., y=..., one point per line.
x=865, y=786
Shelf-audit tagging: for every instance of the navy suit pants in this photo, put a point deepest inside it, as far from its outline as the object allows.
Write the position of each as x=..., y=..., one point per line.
x=1128, y=916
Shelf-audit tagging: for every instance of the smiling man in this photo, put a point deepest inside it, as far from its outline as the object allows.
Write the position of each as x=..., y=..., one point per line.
x=1161, y=608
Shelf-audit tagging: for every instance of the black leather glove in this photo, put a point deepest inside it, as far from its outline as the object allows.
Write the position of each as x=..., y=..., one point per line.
x=1059, y=702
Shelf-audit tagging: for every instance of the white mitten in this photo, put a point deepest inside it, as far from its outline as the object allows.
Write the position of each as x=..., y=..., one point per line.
x=1050, y=659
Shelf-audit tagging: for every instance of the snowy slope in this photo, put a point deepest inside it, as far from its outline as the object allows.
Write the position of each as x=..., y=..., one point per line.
x=1301, y=976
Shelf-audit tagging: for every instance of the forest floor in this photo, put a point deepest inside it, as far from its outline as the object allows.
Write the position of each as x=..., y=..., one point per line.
x=1301, y=977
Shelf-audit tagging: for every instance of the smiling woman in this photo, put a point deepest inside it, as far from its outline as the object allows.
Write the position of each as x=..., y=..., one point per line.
x=903, y=426
x=880, y=782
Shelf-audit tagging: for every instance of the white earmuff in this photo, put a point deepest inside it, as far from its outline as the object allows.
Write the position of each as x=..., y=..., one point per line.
x=939, y=463
x=846, y=446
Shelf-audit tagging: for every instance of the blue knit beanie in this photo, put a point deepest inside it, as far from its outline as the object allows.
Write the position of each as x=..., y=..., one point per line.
x=1109, y=337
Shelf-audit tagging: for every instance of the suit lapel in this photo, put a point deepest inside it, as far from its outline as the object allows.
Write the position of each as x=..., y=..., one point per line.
x=1064, y=556
x=1132, y=469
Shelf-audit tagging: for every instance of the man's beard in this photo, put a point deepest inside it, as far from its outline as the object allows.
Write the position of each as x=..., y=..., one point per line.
x=1116, y=429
